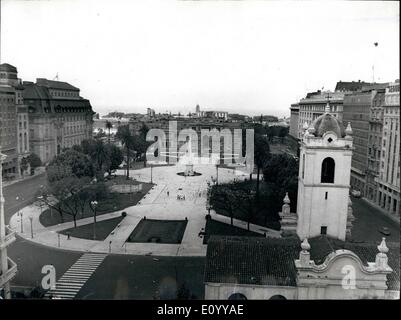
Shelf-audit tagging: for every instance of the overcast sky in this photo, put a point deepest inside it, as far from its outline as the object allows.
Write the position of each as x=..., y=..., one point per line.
x=249, y=57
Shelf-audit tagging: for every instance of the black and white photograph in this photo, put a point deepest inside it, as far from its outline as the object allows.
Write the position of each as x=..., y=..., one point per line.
x=210, y=150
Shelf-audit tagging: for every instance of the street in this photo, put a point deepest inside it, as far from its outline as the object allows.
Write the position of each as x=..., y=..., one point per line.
x=367, y=222
x=141, y=277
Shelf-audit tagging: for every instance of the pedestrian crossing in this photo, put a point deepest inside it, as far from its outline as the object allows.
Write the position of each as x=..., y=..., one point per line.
x=76, y=276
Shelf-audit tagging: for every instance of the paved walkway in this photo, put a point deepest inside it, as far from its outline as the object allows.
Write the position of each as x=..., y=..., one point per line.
x=159, y=203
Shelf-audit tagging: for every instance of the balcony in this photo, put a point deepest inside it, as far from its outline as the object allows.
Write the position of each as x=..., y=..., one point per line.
x=8, y=239
x=9, y=274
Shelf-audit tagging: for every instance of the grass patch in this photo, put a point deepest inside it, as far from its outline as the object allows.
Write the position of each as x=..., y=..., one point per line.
x=159, y=231
x=222, y=229
x=103, y=229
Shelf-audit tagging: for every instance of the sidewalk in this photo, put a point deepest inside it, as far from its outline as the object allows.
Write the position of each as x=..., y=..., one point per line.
x=244, y=225
x=39, y=171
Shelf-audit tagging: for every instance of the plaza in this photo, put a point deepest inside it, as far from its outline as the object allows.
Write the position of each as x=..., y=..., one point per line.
x=164, y=202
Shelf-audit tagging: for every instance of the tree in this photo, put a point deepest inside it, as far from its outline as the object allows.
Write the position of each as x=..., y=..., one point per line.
x=70, y=162
x=99, y=155
x=228, y=198
x=109, y=126
x=115, y=158
x=248, y=205
x=63, y=195
x=262, y=155
x=282, y=132
x=281, y=174
x=34, y=161
x=127, y=139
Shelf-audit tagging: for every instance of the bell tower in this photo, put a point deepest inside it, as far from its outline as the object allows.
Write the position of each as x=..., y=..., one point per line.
x=324, y=178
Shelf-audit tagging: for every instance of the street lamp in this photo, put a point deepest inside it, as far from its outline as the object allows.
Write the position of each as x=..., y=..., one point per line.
x=94, y=205
x=30, y=219
x=22, y=226
x=40, y=198
x=151, y=173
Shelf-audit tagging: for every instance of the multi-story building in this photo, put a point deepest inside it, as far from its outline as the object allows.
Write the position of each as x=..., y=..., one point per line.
x=196, y=124
x=211, y=114
x=8, y=131
x=58, y=117
x=9, y=99
x=388, y=195
x=294, y=120
x=312, y=107
x=364, y=110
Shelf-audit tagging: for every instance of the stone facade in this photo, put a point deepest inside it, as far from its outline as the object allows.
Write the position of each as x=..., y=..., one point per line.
x=388, y=179
x=58, y=117
x=14, y=124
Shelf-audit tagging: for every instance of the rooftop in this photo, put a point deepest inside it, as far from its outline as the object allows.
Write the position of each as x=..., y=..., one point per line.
x=268, y=261
x=7, y=67
x=55, y=84
x=350, y=85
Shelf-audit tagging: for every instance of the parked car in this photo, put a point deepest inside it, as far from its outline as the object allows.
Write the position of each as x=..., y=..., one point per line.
x=356, y=193
x=385, y=231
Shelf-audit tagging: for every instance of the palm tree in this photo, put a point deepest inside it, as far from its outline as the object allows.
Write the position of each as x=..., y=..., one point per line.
x=127, y=140
x=109, y=126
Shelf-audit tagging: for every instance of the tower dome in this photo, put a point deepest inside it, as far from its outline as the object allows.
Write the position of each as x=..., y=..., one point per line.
x=328, y=122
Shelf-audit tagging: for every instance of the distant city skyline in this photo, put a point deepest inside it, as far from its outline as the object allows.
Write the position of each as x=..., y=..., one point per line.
x=253, y=57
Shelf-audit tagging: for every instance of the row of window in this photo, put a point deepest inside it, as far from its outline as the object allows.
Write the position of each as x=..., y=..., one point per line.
x=64, y=93
x=74, y=129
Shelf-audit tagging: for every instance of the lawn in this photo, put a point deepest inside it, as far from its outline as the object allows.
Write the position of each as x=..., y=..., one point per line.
x=219, y=228
x=103, y=229
x=112, y=202
x=160, y=231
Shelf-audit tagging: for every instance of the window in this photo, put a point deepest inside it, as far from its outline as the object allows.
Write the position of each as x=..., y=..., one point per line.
x=323, y=230
x=328, y=169
x=326, y=195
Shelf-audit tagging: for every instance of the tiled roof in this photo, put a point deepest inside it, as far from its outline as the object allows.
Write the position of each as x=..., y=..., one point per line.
x=266, y=261
x=55, y=84
x=248, y=260
x=7, y=67
x=32, y=91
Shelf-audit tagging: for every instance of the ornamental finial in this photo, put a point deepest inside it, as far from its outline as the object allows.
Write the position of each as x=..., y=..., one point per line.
x=383, y=247
x=286, y=199
x=305, y=245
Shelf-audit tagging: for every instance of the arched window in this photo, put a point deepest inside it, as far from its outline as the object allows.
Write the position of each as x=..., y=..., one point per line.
x=237, y=296
x=328, y=169
x=278, y=297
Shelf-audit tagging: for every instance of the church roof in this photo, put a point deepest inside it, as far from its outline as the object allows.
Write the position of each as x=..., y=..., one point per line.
x=328, y=122
x=269, y=261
